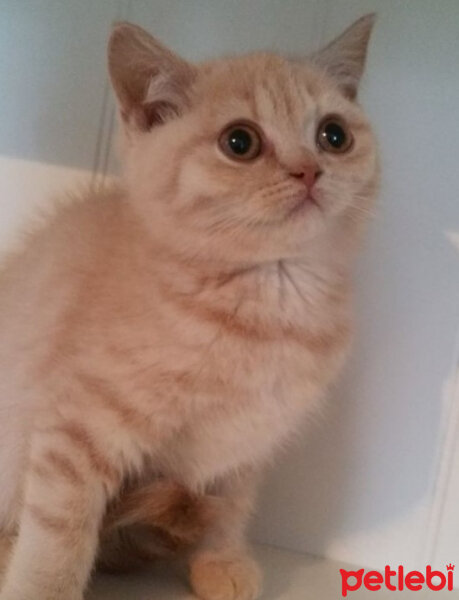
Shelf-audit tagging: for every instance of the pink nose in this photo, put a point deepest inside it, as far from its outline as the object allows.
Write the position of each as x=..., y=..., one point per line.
x=308, y=174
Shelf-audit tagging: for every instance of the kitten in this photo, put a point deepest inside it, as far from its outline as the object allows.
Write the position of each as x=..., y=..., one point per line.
x=179, y=327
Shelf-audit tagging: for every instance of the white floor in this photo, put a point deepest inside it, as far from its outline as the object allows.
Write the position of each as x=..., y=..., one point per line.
x=288, y=576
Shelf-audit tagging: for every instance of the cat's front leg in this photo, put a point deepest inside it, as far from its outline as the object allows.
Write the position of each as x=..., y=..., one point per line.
x=222, y=568
x=66, y=488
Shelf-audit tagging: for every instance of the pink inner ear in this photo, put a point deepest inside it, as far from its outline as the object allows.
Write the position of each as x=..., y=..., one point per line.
x=150, y=114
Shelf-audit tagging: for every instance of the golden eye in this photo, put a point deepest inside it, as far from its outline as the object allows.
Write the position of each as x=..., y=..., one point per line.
x=240, y=141
x=333, y=135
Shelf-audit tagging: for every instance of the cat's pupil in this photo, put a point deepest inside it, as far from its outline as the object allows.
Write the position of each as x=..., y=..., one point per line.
x=240, y=141
x=335, y=135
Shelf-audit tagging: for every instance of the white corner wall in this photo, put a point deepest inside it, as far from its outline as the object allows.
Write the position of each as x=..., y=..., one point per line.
x=375, y=481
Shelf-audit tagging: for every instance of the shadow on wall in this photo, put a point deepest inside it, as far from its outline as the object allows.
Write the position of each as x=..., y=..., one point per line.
x=359, y=485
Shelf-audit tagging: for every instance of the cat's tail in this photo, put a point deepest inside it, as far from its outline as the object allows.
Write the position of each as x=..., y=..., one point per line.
x=6, y=545
x=158, y=519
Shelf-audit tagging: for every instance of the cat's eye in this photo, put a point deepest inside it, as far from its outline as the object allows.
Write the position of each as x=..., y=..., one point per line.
x=240, y=141
x=333, y=135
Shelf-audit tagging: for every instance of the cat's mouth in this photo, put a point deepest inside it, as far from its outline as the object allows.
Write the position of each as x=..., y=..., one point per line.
x=302, y=204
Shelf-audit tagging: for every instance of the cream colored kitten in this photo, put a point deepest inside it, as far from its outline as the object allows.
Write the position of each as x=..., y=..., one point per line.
x=182, y=326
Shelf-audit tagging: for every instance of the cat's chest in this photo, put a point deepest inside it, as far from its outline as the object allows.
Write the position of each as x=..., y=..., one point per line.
x=224, y=440
x=230, y=381
x=247, y=420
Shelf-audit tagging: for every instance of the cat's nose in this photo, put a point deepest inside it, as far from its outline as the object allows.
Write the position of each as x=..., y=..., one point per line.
x=308, y=174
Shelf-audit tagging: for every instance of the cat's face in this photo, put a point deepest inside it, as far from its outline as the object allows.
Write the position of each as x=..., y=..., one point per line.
x=250, y=158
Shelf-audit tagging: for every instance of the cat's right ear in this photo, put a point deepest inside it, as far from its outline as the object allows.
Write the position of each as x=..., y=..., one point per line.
x=150, y=81
x=344, y=58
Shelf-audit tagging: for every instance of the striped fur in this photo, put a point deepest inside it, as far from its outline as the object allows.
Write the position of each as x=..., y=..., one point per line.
x=159, y=340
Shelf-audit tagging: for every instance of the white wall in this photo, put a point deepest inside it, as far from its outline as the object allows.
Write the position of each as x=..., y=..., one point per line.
x=360, y=485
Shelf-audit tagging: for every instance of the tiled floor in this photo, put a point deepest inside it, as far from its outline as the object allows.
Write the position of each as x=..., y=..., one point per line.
x=288, y=576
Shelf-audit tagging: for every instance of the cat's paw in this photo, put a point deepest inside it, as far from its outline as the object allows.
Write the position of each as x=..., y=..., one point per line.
x=216, y=577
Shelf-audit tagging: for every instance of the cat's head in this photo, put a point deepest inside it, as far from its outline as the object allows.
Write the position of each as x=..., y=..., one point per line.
x=246, y=158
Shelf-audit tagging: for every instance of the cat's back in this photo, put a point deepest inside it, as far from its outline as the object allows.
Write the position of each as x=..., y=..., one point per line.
x=42, y=283
x=53, y=257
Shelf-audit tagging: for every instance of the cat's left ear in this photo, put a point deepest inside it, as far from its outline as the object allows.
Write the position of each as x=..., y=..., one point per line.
x=150, y=81
x=344, y=58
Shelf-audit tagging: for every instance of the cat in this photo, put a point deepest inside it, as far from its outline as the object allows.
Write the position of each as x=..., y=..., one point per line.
x=175, y=329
